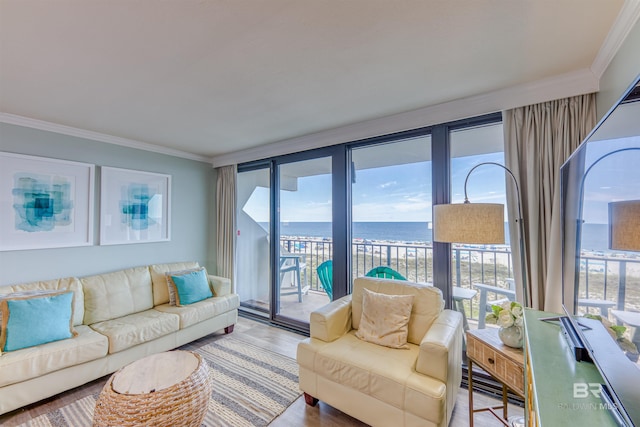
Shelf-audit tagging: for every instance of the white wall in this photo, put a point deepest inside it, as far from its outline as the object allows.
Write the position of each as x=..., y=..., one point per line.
x=192, y=211
x=620, y=73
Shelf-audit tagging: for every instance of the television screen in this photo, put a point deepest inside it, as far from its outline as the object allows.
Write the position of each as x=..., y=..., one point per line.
x=600, y=193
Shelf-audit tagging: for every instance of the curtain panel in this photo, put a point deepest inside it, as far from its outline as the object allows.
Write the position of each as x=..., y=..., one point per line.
x=226, y=199
x=538, y=140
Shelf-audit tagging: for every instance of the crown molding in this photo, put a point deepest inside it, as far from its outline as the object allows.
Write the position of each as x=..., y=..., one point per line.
x=561, y=86
x=96, y=136
x=624, y=23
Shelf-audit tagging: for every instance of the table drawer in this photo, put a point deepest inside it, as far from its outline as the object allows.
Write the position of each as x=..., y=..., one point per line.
x=497, y=365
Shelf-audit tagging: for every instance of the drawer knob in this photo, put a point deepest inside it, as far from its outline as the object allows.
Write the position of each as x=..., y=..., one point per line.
x=491, y=361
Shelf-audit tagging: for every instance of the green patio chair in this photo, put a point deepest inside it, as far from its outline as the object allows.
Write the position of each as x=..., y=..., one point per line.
x=385, y=272
x=325, y=274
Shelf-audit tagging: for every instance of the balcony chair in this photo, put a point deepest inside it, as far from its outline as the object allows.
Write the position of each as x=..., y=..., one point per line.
x=485, y=306
x=296, y=265
x=602, y=304
x=325, y=274
x=384, y=272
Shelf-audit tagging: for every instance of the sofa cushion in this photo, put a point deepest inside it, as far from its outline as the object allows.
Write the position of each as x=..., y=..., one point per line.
x=385, y=319
x=112, y=295
x=171, y=286
x=202, y=310
x=383, y=373
x=159, y=279
x=137, y=328
x=427, y=302
x=188, y=287
x=71, y=283
x=27, y=363
x=33, y=318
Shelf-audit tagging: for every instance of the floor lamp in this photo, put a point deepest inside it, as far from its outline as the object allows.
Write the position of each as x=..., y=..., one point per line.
x=478, y=223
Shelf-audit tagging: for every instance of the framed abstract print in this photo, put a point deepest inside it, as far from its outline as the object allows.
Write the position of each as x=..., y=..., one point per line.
x=45, y=203
x=135, y=206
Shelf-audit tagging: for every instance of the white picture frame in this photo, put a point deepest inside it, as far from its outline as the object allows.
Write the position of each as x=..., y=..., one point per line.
x=135, y=206
x=45, y=202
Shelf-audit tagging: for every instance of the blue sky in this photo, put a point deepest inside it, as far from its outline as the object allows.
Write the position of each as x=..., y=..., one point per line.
x=393, y=193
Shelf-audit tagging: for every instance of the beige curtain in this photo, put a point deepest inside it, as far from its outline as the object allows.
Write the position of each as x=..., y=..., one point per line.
x=538, y=140
x=226, y=222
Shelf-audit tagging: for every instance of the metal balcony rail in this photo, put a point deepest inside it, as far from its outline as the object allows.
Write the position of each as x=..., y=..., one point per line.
x=602, y=277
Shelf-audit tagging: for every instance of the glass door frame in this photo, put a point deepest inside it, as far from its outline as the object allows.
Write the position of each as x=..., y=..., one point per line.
x=249, y=167
x=339, y=226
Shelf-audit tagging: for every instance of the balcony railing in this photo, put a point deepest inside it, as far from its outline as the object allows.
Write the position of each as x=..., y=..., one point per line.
x=601, y=278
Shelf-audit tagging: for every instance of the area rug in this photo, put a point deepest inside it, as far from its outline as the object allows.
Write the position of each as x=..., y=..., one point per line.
x=251, y=387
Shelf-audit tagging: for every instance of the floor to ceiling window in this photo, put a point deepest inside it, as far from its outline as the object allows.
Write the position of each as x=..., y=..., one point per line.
x=391, y=207
x=336, y=213
x=480, y=271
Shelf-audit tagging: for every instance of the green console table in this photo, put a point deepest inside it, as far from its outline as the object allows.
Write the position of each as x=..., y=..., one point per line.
x=551, y=371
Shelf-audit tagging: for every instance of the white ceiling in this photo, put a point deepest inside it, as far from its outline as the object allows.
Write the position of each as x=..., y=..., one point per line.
x=211, y=77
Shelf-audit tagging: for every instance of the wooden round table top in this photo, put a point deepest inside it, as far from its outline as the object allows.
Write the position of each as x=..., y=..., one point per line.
x=155, y=372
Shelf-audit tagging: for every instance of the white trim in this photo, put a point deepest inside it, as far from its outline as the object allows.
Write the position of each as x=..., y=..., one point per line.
x=96, y=136
x=624, y=23
x=561, y=86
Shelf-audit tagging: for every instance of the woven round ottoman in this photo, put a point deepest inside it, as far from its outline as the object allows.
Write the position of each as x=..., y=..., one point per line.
x=165, y=389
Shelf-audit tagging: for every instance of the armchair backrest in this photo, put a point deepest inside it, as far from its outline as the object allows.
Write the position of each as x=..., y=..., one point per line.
x=427, y=302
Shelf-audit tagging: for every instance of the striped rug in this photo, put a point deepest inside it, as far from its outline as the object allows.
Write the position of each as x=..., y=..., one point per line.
x=251, y=387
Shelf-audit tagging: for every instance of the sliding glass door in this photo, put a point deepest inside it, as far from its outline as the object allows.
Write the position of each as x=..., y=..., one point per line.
x=253, y=269
x=305, y=241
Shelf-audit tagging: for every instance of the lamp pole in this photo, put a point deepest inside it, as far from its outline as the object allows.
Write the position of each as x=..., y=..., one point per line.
x=525, y=291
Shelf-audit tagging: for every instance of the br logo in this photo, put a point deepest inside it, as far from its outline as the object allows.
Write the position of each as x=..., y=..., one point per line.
x=583, y=390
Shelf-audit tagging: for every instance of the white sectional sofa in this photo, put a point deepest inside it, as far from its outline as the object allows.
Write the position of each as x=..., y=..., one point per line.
x=119, y=317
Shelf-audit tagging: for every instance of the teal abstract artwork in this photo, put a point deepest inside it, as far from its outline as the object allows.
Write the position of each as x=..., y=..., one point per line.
x=135, y=207
x=41, y=202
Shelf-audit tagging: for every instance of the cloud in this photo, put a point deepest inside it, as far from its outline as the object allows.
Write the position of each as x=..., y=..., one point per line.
x=414, y=210
x=388, y=184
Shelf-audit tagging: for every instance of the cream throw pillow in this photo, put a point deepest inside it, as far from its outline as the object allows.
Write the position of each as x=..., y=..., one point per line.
x=385, y=319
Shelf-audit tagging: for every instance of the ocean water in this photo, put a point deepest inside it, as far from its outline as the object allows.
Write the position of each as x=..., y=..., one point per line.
x=395, y=231
x=392, y=231
x=595, y=236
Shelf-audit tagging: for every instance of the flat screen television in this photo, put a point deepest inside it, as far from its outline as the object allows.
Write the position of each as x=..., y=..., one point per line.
x=601, y=275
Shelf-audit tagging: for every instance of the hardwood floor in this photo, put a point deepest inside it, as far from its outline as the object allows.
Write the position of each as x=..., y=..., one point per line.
x=298, y=414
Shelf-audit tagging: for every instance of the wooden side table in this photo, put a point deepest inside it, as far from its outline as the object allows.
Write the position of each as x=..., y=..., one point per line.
x=504, y=363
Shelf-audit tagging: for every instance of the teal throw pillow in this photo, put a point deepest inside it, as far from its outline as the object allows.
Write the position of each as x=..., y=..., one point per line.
x=191, y=287
x=32, y=320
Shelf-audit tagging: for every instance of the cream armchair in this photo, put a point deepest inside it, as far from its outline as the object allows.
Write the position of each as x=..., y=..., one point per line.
x=378, y=385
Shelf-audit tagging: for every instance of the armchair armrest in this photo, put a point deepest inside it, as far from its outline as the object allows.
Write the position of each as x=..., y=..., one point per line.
x=440, y=354
x=332, y=321
x=221, y=285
